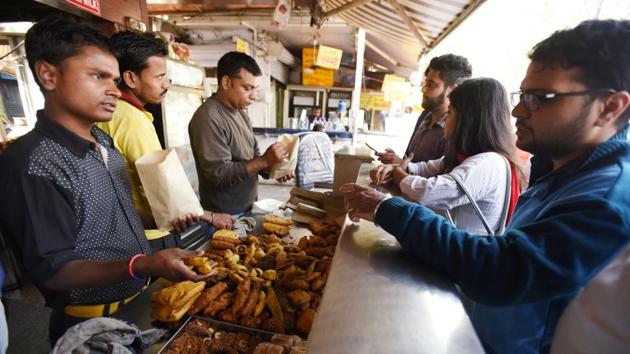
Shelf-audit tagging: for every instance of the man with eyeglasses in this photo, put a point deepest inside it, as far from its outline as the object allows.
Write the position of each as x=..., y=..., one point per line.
x=142, y=63
x=226, y=153
x=572, y=115
x=427, y=141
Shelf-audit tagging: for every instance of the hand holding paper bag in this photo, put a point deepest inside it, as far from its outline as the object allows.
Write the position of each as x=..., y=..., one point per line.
x=167, y=188
x=286, y=166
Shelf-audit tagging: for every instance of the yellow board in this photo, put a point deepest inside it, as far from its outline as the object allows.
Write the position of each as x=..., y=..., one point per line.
x=397, y=91
x=242, y=46
x=389, y=80
x=374, y=101
x=308, y=57
x=318, y=77
x=328, y=57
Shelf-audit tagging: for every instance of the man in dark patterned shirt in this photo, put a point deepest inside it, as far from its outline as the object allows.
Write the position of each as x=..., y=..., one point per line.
x=67, y=205
x=427, y=141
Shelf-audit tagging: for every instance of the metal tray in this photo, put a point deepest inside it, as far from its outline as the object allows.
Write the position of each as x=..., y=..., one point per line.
x=221, y=326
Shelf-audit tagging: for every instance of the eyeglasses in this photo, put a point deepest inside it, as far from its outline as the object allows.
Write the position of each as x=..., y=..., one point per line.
x=533, y=101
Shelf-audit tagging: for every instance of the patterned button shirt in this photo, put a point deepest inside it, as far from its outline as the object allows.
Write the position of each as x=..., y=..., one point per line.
x=427, y=141
x=63, y=200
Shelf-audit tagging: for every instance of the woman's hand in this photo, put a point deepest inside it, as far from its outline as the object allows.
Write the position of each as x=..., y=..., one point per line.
x=405, y=162
x=382, y=174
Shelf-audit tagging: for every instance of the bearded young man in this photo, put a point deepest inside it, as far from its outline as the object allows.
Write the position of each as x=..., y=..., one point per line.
x=572, y=114
x=427, y=142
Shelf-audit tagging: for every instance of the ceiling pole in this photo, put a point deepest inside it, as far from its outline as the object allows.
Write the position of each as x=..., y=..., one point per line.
x=410, y=24
x=355, y=114
x=347, y=6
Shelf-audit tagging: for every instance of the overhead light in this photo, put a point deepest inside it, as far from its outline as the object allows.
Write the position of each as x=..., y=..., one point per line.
x=186, y=18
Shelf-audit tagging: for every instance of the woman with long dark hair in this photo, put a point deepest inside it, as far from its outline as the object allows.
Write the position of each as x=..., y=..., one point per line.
x=480, y=149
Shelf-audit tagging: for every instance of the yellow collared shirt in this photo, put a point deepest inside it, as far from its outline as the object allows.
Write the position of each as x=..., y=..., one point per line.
x=134, y=135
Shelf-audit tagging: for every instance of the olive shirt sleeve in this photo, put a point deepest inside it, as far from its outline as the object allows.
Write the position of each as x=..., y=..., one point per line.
x=37, y=216
x=210, y=144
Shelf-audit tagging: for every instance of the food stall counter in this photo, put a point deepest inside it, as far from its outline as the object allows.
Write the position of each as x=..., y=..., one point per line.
x=378, y=299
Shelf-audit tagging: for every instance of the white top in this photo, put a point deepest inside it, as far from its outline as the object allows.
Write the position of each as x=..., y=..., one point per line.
x=598, y=319
x=483, y=174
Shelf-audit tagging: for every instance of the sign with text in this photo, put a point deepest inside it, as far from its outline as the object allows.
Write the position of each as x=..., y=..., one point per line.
x=308, y=57
x=389, y=81
x=91, y=6
x=318, y=77
x=397, y=91
x=374, y=101
x=242, y=46
x=328, y=57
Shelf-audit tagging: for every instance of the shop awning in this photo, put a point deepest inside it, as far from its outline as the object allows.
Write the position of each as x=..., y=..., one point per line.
x=401, y=30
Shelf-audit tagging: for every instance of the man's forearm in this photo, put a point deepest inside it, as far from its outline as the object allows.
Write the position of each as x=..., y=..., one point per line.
x=80, y=274
x=256, y=165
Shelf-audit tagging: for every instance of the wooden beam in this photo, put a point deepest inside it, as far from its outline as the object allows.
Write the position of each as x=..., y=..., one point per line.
x=381, y=52
x=345, y=7
x=412, y=26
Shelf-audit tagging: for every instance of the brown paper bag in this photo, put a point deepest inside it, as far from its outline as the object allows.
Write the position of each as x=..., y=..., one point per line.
x=286, y=165
x=168, y=191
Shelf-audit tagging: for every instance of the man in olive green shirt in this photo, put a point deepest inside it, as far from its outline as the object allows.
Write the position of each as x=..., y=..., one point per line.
x=226, y=153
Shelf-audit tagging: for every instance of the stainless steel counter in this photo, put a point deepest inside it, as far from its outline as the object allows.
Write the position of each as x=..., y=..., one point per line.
x=378, y=299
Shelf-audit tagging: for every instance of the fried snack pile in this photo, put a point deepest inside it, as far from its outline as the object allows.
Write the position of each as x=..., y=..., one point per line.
x=276, y=225
x=171, y=303
x=202, y=265
x=266, y=283
x=201, y=336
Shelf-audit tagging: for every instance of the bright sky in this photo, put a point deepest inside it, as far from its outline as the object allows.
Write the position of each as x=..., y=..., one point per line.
x=498, y=35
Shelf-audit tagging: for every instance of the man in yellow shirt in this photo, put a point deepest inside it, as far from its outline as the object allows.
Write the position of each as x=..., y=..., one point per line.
x=142, y=62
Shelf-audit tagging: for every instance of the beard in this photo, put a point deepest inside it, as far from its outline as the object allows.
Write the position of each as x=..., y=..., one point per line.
x=567, y=139
x=430, y=103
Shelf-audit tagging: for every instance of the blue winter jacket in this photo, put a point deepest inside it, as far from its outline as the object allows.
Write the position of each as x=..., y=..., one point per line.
x=567, y=225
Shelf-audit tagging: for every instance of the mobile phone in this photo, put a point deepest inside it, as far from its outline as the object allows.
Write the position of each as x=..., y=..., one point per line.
x=373, y=149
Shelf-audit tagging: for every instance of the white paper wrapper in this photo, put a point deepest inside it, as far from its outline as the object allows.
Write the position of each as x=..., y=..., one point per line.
x=287, y=165
x=167, y=188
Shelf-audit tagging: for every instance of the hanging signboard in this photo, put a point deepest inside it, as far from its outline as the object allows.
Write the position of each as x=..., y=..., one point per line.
x=242, y=46
x=374, y=101
x=389, y=80
x=397, y=91
x=328, y=57
x=281, y=14
x=308, y=57
x=91, y=6
x=318, y=77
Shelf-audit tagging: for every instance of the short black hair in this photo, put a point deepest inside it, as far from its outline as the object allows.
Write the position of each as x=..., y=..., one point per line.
x=600, y=48
x=231, y=64
x=453, y=68
x=58, y=37
x=133, y=50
